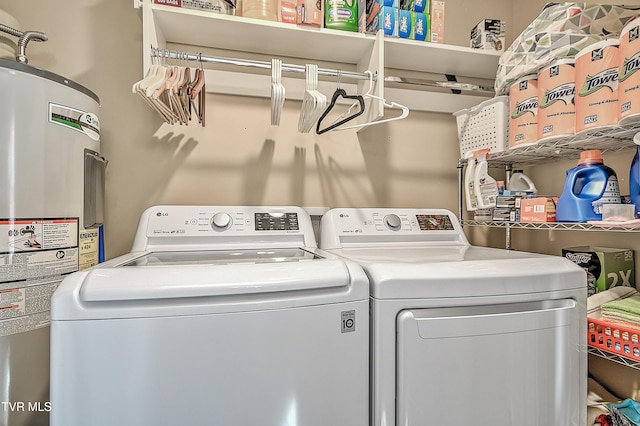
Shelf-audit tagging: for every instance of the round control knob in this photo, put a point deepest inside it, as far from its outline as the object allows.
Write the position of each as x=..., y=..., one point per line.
x=221, y=221
x=392, y=221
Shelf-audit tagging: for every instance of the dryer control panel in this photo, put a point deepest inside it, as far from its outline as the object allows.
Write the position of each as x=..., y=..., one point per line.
x=341, y=227
x=213, y=225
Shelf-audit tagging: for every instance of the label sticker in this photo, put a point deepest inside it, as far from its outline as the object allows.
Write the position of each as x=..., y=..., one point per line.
x=27, y=307
x=348, y=321
x=88, y=245
x=80, y=121
x=35, y=255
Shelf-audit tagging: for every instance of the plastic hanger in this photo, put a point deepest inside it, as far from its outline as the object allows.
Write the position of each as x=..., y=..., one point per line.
x=313, y=102
x=197, y=89
x=404, y=114
x=340, y=93
x=277, y=91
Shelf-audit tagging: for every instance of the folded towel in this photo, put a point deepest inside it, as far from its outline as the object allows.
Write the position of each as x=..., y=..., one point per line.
x=622, y=324
x=614, y=293
x=627, y=309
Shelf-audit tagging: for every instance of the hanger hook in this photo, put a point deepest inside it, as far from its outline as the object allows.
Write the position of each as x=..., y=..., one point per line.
x=339, y=77
x=370, y=74
x=200, y=60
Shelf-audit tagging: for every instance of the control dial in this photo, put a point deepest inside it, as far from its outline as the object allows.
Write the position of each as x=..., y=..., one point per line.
x=392, y=221
x=221, y=221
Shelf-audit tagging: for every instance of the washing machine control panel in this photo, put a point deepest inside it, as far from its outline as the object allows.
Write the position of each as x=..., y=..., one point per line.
x=351, y=226
x=197, y=223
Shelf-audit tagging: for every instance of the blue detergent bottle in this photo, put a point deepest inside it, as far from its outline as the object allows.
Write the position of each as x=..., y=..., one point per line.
x=588, y=186
x=634, y=177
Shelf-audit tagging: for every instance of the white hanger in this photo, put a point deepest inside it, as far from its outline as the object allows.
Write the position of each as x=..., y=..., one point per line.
x=404, y=114
x=313, y=102
x=277, y=91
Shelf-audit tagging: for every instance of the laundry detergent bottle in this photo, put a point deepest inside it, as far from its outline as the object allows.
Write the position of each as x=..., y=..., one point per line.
x=634, y=177
x=521, y=182
x=587, y=187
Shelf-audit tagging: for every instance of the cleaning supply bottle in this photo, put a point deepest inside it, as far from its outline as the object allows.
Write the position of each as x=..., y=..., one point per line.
x=634, y=177
x=485, y=186
x=521, y=182
x=587, y=187
x=469, y=185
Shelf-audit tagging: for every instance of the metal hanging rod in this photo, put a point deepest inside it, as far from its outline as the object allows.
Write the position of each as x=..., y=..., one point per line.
x=179, y=55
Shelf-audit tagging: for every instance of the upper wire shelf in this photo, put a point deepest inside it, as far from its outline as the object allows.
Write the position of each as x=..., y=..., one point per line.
x=609, y=139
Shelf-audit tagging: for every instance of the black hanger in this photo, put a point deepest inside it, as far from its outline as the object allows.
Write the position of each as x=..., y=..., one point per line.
x=339, y=93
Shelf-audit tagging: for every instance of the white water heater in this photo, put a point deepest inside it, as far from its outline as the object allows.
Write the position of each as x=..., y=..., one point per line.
x=51, y=198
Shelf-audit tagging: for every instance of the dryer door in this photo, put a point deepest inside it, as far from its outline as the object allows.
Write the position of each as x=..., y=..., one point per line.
x=511, y=364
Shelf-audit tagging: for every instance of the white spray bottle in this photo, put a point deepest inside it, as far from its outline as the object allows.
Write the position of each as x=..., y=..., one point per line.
x=486, y=187
x=469, y=185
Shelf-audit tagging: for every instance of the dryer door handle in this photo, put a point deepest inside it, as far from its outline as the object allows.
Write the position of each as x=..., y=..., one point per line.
x=439, y=323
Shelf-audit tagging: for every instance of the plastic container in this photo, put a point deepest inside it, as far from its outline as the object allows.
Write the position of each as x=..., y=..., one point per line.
x=523, y=107
x=629, y=78
x=597, y=85
x=521, y=182
x=341, y=15
x=618, y=212
x=485, y=125
x=587, y=187
x=613, y=337
x=260, y=9
x=556, y=100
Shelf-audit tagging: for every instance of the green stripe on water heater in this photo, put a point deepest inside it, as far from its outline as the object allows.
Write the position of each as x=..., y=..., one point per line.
x=66, y=123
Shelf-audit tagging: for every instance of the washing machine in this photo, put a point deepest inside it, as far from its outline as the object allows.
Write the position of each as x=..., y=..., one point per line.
x=225, y=316
x=464, y=335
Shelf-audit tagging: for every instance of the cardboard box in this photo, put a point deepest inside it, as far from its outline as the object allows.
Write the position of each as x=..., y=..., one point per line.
x=507, y=208
x=483, y=214
x=412, y=25
x=505, y=214
x=538, y=209
x=310, y=13
x=216, y=6
x=386, y=19
x=606, y=267
x=437, y=21
x=420, y=6
x=488, y=34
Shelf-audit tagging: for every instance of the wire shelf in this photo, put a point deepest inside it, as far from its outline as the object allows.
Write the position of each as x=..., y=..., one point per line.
x=614, y=357
x=563, y=226
x=609, y=139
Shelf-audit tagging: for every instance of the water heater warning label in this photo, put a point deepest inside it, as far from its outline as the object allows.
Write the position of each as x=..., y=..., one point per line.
x=35, y=255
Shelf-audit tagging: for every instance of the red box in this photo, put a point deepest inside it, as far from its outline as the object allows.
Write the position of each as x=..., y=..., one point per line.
x=538, y=209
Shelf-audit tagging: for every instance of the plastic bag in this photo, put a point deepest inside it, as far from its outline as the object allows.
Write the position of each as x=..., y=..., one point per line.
x=560, y=31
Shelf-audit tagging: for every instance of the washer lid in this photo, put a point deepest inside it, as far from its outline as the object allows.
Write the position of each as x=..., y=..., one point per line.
x=190, y=283
x=165, y=275
x=450, y=271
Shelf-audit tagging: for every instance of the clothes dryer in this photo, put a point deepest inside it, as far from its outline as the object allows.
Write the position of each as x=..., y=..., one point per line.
x=464, y=335
x=225, y=316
